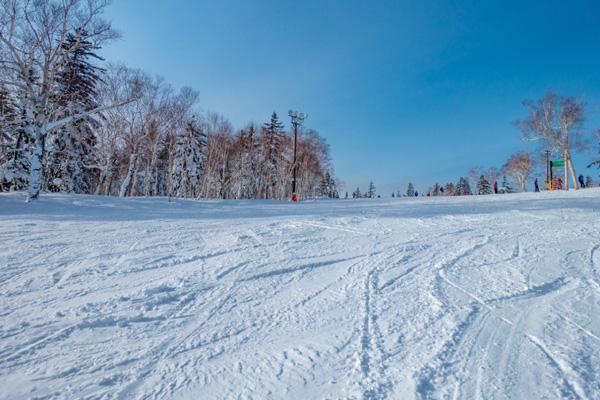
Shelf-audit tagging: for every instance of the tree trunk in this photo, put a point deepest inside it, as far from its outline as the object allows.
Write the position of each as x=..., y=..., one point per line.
x=100, y=184
x=148, y=180
x=127, y=181
x=104, y=174
x=35, y=173
x=573, y=174
x=134, y=182
x=151, y=178
x=108, y=190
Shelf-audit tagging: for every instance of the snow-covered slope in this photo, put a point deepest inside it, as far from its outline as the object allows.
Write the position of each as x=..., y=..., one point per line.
x=488, y=297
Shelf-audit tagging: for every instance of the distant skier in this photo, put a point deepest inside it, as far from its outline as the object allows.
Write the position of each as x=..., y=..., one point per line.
x=537, y=186
x=495, y=187
x=581, y=181
x=416, y=194
x=559, y=184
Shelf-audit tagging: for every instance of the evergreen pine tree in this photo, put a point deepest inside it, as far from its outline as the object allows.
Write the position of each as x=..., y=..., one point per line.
x=72, y=148
x=331, y=186
x=589, y=182
x=239, y=175
x=483, y=186
x=197, y=140
x=463, y=188
x=7, y=119
x=188, y=160
x=436, y=190
x=505, y=187
x=459, y=188
x=250, y=165
x=7, y=137
x=449, y=189
x=15, y=144
x=326, y=189
x=410, y=191
x=272, y=151
x=371, y=191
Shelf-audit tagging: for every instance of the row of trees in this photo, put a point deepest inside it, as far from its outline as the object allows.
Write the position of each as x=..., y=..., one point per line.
x=370, y=193
x=461, y=188
x=556, y=124
x=69, y=124
x=519, y=166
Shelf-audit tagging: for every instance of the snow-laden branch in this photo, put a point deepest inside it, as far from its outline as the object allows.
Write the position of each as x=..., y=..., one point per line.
x=51, y=126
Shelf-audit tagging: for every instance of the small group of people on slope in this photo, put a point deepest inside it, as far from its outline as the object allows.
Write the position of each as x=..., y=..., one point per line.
x=558, y=185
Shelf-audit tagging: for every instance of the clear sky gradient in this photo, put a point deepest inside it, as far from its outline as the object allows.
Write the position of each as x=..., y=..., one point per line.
x=402, y=90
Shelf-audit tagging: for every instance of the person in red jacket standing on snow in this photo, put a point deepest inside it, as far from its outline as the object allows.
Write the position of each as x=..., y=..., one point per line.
x=559, y=184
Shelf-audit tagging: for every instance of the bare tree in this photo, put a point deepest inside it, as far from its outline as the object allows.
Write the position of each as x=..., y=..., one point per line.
x=556, y=122
x=492, y=174
x=519, y=166
x=131, y=121
x=161, y=120
x=474, y=173
x=216, y=178
x=313, y=162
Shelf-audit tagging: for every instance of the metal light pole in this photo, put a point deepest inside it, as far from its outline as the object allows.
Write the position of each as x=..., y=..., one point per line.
x=297, y=119
x=548, y=174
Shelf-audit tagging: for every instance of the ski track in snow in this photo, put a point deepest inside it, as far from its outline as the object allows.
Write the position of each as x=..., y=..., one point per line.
x=494, y=297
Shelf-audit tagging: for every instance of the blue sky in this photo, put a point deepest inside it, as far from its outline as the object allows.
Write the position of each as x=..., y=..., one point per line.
x=402, y=90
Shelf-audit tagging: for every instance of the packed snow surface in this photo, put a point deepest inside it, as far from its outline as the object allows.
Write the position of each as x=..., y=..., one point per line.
x=483, y=297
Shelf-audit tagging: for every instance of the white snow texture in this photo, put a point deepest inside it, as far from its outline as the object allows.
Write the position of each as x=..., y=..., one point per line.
x=477, y=297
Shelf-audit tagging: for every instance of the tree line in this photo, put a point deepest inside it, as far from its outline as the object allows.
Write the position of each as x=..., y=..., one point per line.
x=70, y=122
x=556, y=124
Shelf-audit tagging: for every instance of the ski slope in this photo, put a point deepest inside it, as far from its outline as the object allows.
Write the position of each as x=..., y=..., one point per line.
x=492, y=297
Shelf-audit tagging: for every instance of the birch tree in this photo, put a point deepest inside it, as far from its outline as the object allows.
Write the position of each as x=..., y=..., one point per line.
x=556, y=122
x=519, y=166
x=160, y=121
